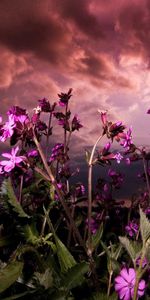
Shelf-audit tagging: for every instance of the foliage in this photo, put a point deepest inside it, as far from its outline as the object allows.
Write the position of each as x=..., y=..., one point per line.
x=60, y=239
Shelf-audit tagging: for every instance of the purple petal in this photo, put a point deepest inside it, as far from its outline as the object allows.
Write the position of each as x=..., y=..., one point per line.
x=120, y=280
x=9, y=167
x=4, y=162
x=18, y=159
x=141, y=287
x=119, y=286
x=8, y=155
x=132, y=274
x=124, y=273
x=14, y=151
x=123, y=292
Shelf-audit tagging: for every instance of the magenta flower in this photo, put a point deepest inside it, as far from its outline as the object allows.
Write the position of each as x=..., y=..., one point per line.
x=13, y=160
x=8, y=129
x=132, y=228
x=64, y=98
x=124, y=284
x=118, y=157
x=76, y=125
x=127, y=139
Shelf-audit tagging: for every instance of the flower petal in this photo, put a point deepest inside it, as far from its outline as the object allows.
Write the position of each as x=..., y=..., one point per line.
x=8, y=155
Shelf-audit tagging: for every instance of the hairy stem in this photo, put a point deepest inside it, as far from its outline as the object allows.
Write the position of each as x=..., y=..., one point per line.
x=109, y=283
x=90, y=164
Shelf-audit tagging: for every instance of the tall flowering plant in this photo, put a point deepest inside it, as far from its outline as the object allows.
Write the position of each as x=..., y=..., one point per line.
x=64, y=237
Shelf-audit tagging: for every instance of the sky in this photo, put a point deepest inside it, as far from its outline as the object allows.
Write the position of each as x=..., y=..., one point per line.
x=99, y=48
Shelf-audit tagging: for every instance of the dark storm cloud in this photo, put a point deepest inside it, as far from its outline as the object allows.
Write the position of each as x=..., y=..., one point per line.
x=28, y=26
x=79, y=13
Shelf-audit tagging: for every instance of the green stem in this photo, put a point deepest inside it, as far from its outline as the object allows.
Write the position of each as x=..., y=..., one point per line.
x=139, y=273
x=89, y=239
x=109, y=283
x=60, y=195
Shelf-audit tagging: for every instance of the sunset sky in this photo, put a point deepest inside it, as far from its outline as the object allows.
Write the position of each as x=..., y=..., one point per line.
x=100, y=48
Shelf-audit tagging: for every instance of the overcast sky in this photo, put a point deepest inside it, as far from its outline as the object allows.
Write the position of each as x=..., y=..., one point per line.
x=100, y=48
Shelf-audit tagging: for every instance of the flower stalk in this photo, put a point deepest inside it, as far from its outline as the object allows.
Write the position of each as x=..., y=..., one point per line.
x=90, y=166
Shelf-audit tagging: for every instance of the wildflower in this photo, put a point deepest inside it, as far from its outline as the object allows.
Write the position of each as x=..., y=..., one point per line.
x=76, y=123
x=7, y=130
x=112, y=130
x=32, y=153
x=125, y=282
x=16, y=111
x=45, y=105
x=118, y=157
x=13, y=160
x=127, y=139
x=58, y=153
x=105, y=155
x=132, y=228
x=64, y=98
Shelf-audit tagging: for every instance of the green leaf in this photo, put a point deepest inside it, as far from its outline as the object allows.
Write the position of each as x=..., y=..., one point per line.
x=97, y=237
x=74, y=277
x=144, y=226
x=10, y=274
x=66, y=260
x=13, y=201
x=45, y=278
x=128, y=246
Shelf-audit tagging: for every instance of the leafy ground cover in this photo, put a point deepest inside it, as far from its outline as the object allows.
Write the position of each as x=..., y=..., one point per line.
x=60, y=240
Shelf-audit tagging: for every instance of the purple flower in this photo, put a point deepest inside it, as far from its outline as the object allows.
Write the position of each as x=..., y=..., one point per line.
x=16, y=111
x=7, y=130
x=132, y=228
x=127, y=139
x=45, y=105
x=64, y=98
x=148, y=112
x=58, y=154
x=118, y=157
x=125, y=282
x=13, y=160
x=32, y=153
x=76, y=123
x=112, y=130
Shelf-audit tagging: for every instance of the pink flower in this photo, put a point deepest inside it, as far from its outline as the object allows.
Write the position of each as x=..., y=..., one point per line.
x=118, y=157
x=125, y=282
x=8, y=128
x=13, y=160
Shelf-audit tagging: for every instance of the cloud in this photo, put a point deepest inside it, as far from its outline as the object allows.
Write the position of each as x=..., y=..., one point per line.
x=99, y=49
